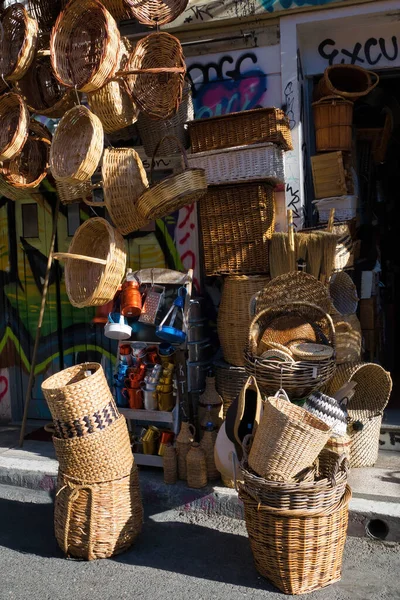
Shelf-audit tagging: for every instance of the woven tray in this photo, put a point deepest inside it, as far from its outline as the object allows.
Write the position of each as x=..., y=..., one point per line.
x=243, y=163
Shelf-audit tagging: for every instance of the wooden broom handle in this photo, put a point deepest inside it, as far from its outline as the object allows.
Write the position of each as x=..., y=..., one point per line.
x=331, y=220
x=67, y=255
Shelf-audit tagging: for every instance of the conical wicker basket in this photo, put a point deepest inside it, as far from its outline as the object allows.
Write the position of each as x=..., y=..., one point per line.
x=184, y=442
x=299, y=551
x=233, y=314
x=77, y=145
x=170, y=465
x=207, y=445
x=84, y=46
x=99, y=244
x=14, y=125
x=196, y=467
x=17, y=43
x=157, y=12
x=97, y=520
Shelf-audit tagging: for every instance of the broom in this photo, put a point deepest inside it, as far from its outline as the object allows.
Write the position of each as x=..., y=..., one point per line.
x=329, y=243
x=314, y=254
x=278, y=255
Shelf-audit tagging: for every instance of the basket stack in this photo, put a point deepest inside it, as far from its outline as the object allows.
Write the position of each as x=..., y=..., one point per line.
x=98, y=509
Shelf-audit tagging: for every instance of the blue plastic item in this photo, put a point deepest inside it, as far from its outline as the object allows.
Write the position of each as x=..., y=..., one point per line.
x=169, y=333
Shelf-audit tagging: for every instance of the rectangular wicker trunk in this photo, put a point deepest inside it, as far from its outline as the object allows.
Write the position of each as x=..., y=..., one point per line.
x=240, y=129
x=237, y=223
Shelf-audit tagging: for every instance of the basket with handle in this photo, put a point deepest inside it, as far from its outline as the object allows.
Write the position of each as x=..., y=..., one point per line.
x=333, y=117
x=297, y=321
x=84, y=46
x=14, y=125
x=77, y=145
x=97, y=244
x=156, y=74
x=348, y=81
x=173, y=192
x=156, y=12
x=299, y=551
x=288, y=439
x=79, y=191
x=17, y=43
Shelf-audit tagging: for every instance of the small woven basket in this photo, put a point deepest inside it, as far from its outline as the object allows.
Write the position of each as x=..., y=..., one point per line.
x=196, y=465
x=207, y=445
x=229, y=380
x=173, y=192
x=170, y=465
x=84, y=46
x=97, y=520
x=14, y=125
x=348, y=81
x=237, y=223
x=29, y=168
x=157, y=68
x=79, y=191
x=233, y=314
x=184, y=442
x=77, y=145
x=255, y=126
x=333, y=119
x=343, y=293
x=99, y=244
x=287, y=441
x=299, y=551
x=17, y=43
x=157, y=12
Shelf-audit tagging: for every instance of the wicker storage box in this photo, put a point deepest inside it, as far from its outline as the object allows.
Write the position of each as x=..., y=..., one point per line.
x=345, y=208
x=237, y=223
x=243, y=163
x=333, y=117
x=331, y=175
x=240, y=129
x=228, y=382
x=298, y=551
x=97, y=520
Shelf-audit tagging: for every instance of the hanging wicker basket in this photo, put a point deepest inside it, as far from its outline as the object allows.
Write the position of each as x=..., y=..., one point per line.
x=173, y=192
x=14, y=125
x=157, y=74
x=70, y=193
x=156, y=12
x=348, y=81
x=17, y=43
x=77, y=145
x=45, y=12
x=11, y=192
x=119, y=9
x=100, y=246
x=333, y=118
x=84, y=46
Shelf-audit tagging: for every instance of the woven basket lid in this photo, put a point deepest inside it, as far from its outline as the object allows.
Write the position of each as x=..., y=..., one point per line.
x=310, y=351
x=343, y=293
x=277, y=355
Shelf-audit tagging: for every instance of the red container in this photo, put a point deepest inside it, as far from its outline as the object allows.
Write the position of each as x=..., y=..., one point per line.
x=131, y=299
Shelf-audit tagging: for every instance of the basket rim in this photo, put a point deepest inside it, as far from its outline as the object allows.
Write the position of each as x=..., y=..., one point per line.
x=232, y=149
x=269, y=109
x=89, y=365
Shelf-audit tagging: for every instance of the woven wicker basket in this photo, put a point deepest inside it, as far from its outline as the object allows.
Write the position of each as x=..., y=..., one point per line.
x=77, y=145
x=340, y=445
x=244, y=163
x=348, y=338
x=173, y=192
x=298, y=551
x=17, y=43
x=170, y=465
x=84, y=46
x=255, y=126
x=97, y=520
x=228, y=382
x=343, y=293
x=237, y=223
x=29, y=168
x=292, y=320
x=233, y=314
x=80, y=191
x=119, y=9
x=333, y=119
x=184, y=442
x=45, y=12
x=196, y=467
x=157, y=70
x=348, y=81
x=13, y=193
x=97, y=243
x=151, y=131
x=14, y=125
x=207, y=445
x=157, y=12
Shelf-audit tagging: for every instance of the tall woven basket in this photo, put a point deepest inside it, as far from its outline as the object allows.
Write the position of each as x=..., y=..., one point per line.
x=229, y=380
x=196, y=465
x=233, y=314
x=365, y=408
x=333, y=118
x=299, y=551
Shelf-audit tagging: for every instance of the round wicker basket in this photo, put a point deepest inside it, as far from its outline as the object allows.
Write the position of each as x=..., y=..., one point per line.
x=157, y=12
x=17, y=43
x=14, y=125
x=45, y=12
x=79, y=191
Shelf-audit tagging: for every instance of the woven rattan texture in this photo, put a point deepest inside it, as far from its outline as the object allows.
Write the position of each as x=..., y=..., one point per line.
x=14, y=125
x=124, y=179
x=97, y=520
x=339, y=445
x=97, y=285
x=196, y=467
x=84, y=46
x=156, y=12
x=343, y=293
x=228, y=382
x=74, y=192
x=45, y=12
x=364, y=444
x=97, y=421
x=17, y=43
x=11, y=192
x=348, y=338
x=207, y=445
x=157, y=94
x=237, y=223
x=297, y=551
x=333, y=118
x=184, y=442
x=170, y=465
x=255, y=126
x=77, y=145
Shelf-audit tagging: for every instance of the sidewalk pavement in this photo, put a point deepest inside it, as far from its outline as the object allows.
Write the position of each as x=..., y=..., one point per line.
x=374, y=508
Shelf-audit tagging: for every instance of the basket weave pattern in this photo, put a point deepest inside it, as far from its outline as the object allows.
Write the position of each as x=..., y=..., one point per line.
x=14, y=123
x=17, y=43
x=156, y=12
x=196, y=467
x=228, y=382
x=79, y=191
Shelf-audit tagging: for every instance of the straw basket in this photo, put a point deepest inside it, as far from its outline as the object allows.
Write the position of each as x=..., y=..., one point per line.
x=119, y=9
x=333, y=118
x=237, y=223
x=97, y=520
x=277, y=325
x=288, y=440
x=79, y=191
x=84, y=46
x=17, y=42
x=124, y=179
x=229, y=381
x=157, y=12
x=340, y=445
x=14, y=124
x=255, y=126
x=151, y=131
x=365, y=408
x=77, y=145
x=196, y=467
x=42, y=92
x=173, y=192
x=298, y=551
x=170, y=465
x=45, y=12
x=157, y=68
x=343, y=293
x=29, y=168
x=348, y=81
x=348, y=338
x=184, y=442
x=13, y=193
x=233, y=314
x=97, y=243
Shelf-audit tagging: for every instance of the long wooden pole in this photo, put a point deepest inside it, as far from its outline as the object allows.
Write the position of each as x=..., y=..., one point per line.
x=40, y=322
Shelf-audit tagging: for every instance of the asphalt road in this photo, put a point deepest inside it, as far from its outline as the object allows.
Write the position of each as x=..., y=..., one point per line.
x=179, y=556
